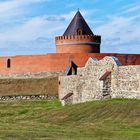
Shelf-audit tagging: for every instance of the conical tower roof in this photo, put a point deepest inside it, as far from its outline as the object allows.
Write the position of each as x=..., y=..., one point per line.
x=78, y=22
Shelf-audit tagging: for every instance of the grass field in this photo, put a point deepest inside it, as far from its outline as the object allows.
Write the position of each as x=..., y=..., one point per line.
x=117, y=119
x=45, y=86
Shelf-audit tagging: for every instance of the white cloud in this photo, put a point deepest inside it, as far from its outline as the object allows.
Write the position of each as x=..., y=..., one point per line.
x=11, y=8
x=35, y=27
x=121, y=33
x=134, y=7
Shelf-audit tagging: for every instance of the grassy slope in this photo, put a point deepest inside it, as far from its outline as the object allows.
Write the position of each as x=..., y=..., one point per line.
x=100, y=120
x=29, y=86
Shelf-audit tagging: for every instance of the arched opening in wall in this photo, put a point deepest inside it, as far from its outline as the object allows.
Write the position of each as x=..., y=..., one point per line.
x=73, y=68
x=79, y=32
x=8, y=63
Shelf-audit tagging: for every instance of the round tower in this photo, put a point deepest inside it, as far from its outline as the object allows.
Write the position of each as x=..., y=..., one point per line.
x=78, y=38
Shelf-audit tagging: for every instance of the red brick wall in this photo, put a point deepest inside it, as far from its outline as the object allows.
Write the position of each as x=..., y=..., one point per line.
x=56, y=62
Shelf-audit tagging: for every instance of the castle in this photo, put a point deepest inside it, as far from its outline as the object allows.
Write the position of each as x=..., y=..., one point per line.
x=74, y=47
x=84, y=73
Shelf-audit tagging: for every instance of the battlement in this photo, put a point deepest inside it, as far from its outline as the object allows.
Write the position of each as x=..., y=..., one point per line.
x=78, y=44
x=95, y=38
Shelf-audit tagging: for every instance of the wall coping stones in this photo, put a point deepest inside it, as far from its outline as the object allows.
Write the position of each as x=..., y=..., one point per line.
x=27, y=97
x=31, y=75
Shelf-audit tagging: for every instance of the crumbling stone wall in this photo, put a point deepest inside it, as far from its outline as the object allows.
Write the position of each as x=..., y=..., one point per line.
x=123, y=81
x=70, y=84
x=126, y=82
x=86, y=85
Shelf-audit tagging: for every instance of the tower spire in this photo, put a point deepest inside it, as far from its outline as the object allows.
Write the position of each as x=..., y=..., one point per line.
x=78, y=38
x=78, y=22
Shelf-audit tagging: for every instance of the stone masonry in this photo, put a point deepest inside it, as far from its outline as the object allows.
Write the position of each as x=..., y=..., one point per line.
x=105, y=78
x=31, y=75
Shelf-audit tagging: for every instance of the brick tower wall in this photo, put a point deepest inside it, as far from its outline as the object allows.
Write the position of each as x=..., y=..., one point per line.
x=78, y=44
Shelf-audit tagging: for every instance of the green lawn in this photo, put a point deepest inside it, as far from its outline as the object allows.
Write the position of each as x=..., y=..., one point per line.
x=117, y=119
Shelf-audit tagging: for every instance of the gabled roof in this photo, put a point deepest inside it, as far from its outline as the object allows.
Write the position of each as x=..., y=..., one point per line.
x=116, y=60
x=105, y=75
x=67, y=96
x=94, y=59
x=78, y=22
x=68, y=71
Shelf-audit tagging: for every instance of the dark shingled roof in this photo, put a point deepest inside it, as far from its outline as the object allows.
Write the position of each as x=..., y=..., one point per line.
x=78, y=22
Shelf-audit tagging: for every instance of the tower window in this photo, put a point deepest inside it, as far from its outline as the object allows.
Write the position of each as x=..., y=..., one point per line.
x=8, y=63
x=59, y=83
x=79, y=32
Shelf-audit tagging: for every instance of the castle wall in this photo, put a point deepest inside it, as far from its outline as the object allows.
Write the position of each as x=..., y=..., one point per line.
x=123, y=82
x=86, y=85
x=34, y=64
x=55, y=62
x=126, y=82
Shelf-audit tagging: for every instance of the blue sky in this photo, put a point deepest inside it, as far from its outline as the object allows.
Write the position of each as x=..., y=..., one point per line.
x=29, y=26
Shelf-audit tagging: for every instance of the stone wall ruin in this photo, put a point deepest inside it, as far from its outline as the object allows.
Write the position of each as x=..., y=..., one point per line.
x=106, y=78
